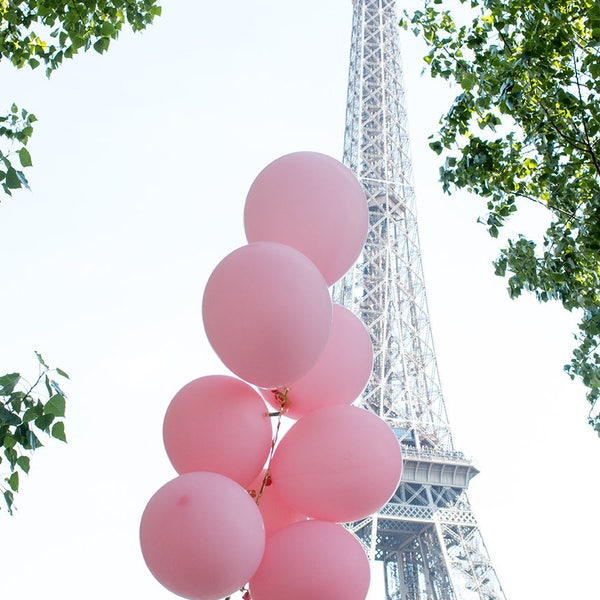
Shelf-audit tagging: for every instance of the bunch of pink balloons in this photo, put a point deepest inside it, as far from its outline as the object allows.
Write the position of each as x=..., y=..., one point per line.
x=244, y=509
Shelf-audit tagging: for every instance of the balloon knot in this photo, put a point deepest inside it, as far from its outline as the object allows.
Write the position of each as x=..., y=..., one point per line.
x=281, y=397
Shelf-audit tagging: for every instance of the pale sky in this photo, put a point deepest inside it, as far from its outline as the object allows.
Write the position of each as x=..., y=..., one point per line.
x=142, y=160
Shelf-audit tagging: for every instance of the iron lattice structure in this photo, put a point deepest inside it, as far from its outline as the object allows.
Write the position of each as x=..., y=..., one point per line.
x=426, y=535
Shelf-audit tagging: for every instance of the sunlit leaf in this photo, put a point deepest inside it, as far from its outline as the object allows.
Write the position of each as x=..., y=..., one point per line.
x=58, y=431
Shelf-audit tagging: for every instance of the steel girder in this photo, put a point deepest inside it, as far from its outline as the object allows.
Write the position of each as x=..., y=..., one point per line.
x=426, y=535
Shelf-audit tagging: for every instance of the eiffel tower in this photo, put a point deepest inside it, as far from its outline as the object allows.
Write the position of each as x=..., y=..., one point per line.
x=426, y=536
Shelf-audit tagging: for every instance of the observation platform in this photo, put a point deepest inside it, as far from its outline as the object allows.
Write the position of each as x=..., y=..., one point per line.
x=451, y=469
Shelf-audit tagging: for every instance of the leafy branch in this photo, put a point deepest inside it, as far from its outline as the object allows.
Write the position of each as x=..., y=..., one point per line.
x=529, y=72
x=16, y=127
x=28, y=411
x=39, y=32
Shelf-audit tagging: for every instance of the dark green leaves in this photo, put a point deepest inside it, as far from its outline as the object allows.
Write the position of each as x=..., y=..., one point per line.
x=8, y=383
x=13, y=481
x=58, y=431
x=16, y=127
x=25, y=157
x=101, y=44
x=36, y=32
x=525, y=127
x=13, y=181
x=26, y=412
x=23, y=462
x=46, y=32
x=8, y=418
x=55, y=406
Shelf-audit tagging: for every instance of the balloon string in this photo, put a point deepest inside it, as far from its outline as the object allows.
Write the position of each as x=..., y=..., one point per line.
x=283, y=401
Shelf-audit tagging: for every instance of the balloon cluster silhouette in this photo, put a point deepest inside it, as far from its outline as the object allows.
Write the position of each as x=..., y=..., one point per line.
x=249, y=511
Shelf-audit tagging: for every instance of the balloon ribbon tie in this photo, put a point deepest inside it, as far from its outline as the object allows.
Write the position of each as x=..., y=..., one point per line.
x=282, y=401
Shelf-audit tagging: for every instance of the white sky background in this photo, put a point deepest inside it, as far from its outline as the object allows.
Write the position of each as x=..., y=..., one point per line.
x=142, y=160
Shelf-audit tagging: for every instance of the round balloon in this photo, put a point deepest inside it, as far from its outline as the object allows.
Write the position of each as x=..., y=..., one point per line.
x=276, y=513
x=341, y=372
x=312, y=559
x=314, y=203
x=267, y=313
x=202, y=536
x=220, y=424
x=339, y=464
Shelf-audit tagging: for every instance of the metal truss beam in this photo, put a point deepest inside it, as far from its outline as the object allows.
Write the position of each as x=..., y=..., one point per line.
x=426, y=535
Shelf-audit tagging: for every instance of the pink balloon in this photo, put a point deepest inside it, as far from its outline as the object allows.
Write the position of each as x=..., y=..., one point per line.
x=341, y=372
x=312, y=560
x=267, y=313
x=276, y=513
x=340, y=464
x=219, y=424
x=314, y=203
x=202, y=536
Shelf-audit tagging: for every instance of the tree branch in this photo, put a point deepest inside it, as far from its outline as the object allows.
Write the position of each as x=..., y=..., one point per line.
x=589, y=143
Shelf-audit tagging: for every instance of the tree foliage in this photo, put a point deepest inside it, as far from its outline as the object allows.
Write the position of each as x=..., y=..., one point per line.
x=45, y=32
x=27, y=412
x=525, y=127
x=36, y=33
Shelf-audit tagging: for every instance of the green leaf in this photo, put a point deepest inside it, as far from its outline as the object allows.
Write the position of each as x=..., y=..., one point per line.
x=468, y=81
x=33, y=413
x=58, y=431
x=101, y=44
x=8, y=417
x=27, y=132
x=44, y=421
x=9, y=499
x=13, y=181
x=108, y=29
x=55, y=406
x=11, y=456
x=62, y=373
x=13, y=481
x=25, y=157
x=9, y=441
x=16, y=400
x=41, y=360
x=8, y=383
x=24, y=463
x=436, y=147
